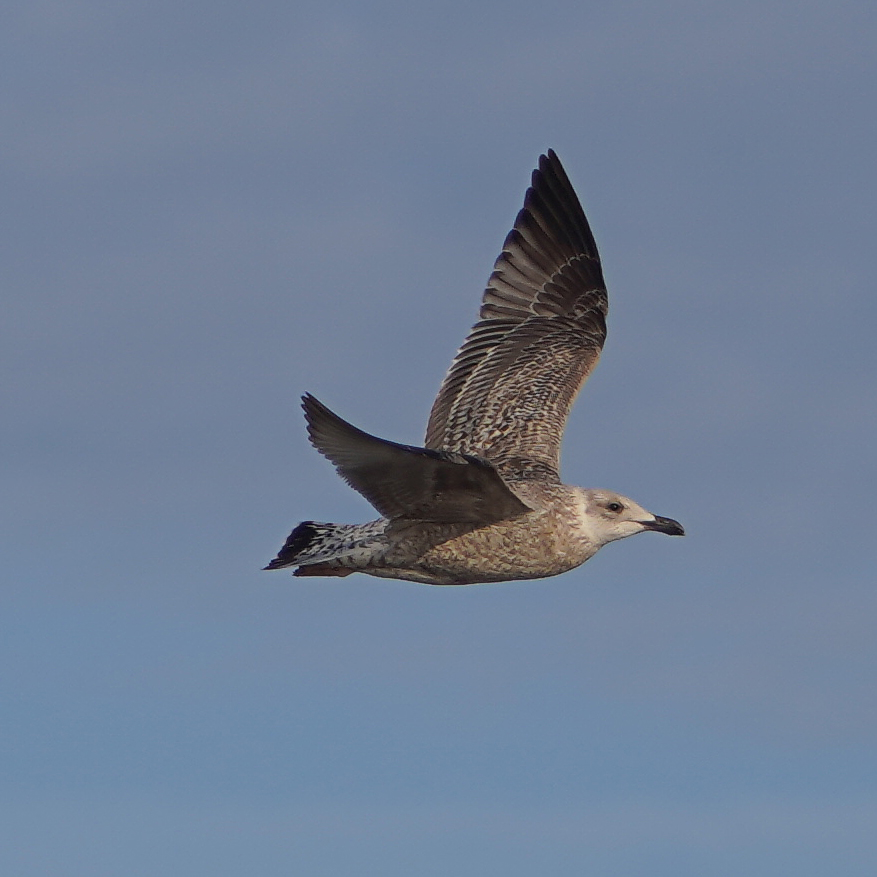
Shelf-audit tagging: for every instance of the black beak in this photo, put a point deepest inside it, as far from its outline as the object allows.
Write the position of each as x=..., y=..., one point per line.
x=665, y=525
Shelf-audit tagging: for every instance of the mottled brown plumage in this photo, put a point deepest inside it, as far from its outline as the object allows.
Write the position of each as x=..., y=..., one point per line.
x=483, y=500
x=541, y=329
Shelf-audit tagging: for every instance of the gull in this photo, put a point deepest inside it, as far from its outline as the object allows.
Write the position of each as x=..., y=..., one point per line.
x=482, y=501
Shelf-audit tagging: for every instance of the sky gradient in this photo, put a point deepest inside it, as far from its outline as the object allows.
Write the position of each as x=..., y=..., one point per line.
x=210, y=209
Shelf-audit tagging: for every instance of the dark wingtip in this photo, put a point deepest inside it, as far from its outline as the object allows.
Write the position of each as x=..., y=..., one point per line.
x=317, y=415
x=310, y=404
x=547, y=161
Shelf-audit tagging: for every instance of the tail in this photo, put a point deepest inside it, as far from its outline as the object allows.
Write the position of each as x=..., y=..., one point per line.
x=331, y=549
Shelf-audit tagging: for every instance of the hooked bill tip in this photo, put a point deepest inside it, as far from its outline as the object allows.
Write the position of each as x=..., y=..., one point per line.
x=666, y=525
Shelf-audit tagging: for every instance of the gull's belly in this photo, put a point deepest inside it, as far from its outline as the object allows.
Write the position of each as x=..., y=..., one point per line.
x=530, y=547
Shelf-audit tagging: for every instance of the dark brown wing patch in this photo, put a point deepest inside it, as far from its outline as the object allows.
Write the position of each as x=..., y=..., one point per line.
x=404, y=482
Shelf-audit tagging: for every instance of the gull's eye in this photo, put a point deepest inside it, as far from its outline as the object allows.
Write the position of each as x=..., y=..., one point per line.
x=615, y=507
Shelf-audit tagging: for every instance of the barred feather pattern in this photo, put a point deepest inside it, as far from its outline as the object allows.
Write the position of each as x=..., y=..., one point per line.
x=352, y=545
x=542, y=326
x=483, y=500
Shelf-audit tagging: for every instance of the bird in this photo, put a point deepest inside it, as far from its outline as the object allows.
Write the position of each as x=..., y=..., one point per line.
x=482, y=500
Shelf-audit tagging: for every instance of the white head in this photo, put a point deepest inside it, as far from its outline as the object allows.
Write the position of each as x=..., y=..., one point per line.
x=607, y=516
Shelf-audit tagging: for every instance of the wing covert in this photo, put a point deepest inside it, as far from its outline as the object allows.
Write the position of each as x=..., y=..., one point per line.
x=404, y=482
x=540, y=332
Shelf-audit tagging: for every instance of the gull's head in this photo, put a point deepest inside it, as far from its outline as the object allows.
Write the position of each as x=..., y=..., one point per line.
x=607, y=516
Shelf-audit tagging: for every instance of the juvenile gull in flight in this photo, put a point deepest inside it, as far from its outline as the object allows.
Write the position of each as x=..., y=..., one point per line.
x=483, y=501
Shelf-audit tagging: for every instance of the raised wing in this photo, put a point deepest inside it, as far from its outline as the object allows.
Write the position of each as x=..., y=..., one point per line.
x=542, y=326
x=404, y=482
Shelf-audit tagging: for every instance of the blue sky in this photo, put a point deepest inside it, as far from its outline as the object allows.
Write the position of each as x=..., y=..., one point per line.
x=212, y=208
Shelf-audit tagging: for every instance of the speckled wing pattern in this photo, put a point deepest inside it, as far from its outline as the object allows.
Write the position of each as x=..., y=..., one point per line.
x=541, y=328
x=409, y=483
